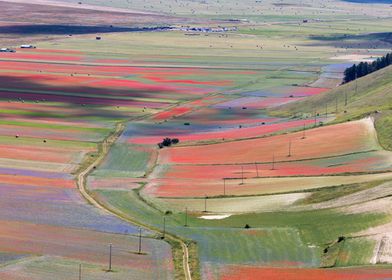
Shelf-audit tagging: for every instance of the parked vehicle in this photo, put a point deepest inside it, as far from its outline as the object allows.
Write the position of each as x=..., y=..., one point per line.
x=27, y=47
x=7, y=50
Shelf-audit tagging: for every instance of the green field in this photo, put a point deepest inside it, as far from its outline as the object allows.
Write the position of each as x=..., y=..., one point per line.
x=125, y=161
x=273, y=238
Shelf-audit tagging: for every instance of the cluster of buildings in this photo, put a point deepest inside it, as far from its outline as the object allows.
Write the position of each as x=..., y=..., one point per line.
x=208, y=29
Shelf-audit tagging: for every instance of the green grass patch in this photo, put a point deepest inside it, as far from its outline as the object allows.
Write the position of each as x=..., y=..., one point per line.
x=355, y=251
x=318, y=227
x=348, y=252
x=125, y=160
x=129, y=203
x=262, y=245
x=384, y=129
x=329, y=193
x=33, y=114
x=273, y=237
x=258, y=246
x=31, y=141
x=331, y=254
x=55, y=126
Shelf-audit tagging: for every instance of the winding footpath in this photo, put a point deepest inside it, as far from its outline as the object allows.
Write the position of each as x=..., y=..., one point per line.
x=81, y=183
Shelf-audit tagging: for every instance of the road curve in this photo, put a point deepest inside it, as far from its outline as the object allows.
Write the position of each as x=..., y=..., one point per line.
x=81, y=183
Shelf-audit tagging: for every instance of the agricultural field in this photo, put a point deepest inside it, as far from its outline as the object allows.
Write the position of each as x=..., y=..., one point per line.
x=267, y=273
x=274, y=168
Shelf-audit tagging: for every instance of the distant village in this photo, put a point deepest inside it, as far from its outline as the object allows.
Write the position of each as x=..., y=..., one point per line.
x=208, y=29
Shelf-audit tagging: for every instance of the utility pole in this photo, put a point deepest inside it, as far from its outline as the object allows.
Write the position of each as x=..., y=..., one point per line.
x=326, y=110
x=140, y=241
x=257, y=170
x=80, y=271
x=303, y=134
x=289, y=155
x=224, y=186
x=315, y=118
x=186, y=217
x=345, y=97
x=110, y=257
x=205, y=203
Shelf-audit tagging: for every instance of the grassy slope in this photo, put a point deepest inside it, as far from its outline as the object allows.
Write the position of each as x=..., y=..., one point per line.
x=364, y=96
x=384, y=129
x=355, y=251
x=265, y=244
x=329, y=193
x=316, y=227
x=284, y=235
x=348, y=252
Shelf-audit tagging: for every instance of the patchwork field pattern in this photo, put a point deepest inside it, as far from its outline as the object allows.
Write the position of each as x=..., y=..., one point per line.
x=262, y=196
x=50, y=128
x=243, y=166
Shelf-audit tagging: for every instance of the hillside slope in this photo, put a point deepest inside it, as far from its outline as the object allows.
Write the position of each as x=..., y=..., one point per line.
x=371, y=94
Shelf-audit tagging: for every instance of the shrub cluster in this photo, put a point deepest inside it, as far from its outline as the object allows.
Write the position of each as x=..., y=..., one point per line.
x=167, y=142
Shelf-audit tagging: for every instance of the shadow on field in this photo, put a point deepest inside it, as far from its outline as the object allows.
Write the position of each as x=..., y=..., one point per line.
x=370, y=1
x=92, y=101
x=43, y=29
x=366, y=41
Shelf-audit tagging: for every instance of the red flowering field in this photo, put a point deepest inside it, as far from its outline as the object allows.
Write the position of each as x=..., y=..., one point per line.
x=198, y=170
x=348, y=138
x=247, y=273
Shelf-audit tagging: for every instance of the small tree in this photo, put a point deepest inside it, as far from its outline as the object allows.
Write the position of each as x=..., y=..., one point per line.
x=341, y=238
x=166, y=142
